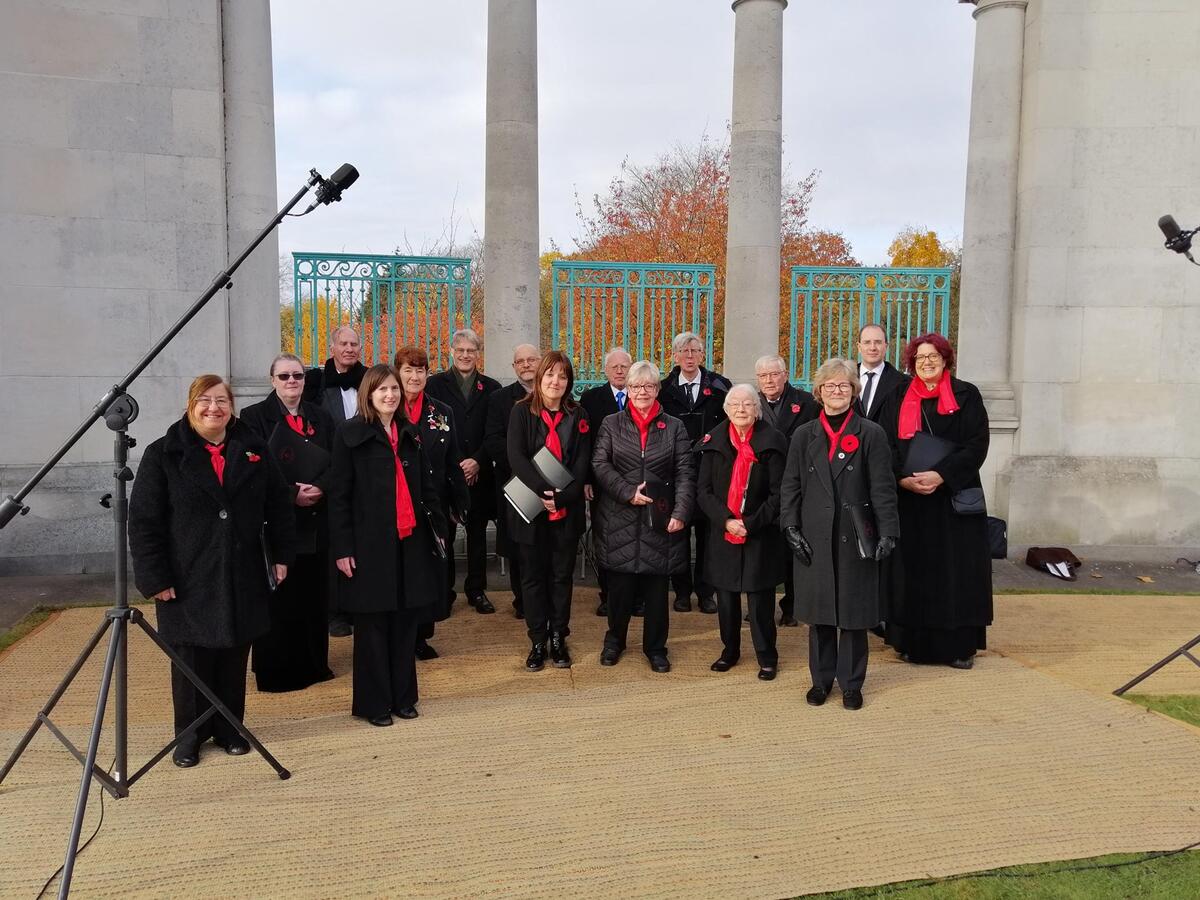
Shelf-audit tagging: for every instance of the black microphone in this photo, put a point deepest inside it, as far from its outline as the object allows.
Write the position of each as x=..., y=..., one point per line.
x=1176, y=239
x=329, y=190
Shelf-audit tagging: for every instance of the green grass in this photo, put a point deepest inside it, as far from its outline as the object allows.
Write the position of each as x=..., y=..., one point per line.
x=1128, y=592
x=22, y=628
x=1184, y=707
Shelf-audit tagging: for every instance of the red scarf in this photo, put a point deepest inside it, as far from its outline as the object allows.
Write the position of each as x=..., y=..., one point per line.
x=217, y=458
x=835, y=435
x=643, y=422
x=406, y=519
x=740, y=478
x=554, y=445
x=296, y=423
x=414, y=409
x=910, y=406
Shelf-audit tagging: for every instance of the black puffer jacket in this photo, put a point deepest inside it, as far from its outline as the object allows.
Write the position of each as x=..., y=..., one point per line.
x=626, y=542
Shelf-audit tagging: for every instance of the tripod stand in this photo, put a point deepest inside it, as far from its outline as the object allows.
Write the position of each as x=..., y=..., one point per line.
x=1185, y=650
x=119, y=409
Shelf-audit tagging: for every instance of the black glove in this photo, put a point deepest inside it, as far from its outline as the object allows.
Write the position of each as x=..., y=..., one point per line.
x=884, y=548
x=800, y=548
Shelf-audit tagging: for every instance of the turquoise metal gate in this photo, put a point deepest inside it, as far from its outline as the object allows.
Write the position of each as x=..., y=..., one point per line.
x=640, y=306
x=835, y=302
x=391, y=300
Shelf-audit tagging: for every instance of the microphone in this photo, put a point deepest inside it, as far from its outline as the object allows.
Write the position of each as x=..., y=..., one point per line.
x=329, y=190
x=1177, y=240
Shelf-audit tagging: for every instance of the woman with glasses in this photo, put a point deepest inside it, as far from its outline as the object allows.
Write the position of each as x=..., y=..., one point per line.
x=839, y=518
x=294, y=654
x=206, y=500
x=741, y=467
x=938, y=425
x=646, y=479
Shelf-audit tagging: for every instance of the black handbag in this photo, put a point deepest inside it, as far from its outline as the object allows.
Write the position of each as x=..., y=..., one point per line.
x=969, y=502
x=997, y=537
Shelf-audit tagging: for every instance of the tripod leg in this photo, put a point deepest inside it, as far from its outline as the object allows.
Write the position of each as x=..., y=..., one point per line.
x=203, y=688
x=1182, y=651
x=56, y=696
x=85, y=785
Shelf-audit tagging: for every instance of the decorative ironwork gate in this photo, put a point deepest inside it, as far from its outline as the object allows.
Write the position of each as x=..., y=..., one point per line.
x=639, y=306
x=835, y=302
x=391, y=300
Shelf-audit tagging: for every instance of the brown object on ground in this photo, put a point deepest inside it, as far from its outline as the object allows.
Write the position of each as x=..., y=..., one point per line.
x=606, y=782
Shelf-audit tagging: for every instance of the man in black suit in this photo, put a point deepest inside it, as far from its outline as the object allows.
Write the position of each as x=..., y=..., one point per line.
x=877, y=377
x=495, y=440
x=785, y=408
x=695, y=395
x=465, y=390
x=600, y=402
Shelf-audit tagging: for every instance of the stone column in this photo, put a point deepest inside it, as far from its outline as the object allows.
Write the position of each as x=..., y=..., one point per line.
x=510, y=222
x=755, y=176
x=250, y=196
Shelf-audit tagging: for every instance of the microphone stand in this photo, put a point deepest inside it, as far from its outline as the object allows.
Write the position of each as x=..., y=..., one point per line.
x=119, y=409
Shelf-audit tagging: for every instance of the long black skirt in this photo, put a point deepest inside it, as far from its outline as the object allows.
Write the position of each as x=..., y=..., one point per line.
x=923, y=644
x=294, y=654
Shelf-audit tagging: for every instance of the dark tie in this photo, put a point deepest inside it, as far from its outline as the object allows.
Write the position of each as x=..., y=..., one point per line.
x=620, y=399
x=866, y=395
x=691, y=395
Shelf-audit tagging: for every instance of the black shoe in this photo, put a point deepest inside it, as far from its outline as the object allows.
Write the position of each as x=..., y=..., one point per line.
x=602, y=609
x=426, y=651
x=235, y=746
x=878, y=631
x=518, y=609
x=788, y=621
x=639, y=610
x=852, y=699
x=536, y=660
x=708, y=605
x=723, y=665
x=766, y=674
x=660, y=664
x=340, y=628
x=558, y=651
x=816, y=696
x=967, y=662
x=609, y=656
x=746, y=616
x=185, y=756
x=407, y=712
x=482, y=604
x=683, y=604
x=381, y=721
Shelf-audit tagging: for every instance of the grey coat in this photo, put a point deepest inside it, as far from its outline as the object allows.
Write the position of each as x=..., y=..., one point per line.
x=626, y=542
x=839, y=588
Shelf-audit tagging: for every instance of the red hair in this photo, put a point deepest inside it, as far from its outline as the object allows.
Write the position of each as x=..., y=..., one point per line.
x=939, y=343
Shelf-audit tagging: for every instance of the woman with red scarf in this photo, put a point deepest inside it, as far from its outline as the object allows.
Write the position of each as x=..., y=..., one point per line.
x=942, y=613
x=546, y=547
x=838, y=515
x=384, y=522
x=741, y=467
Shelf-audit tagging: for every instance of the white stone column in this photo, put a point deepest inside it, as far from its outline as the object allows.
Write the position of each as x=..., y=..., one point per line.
x=755, y=176
x=510, y=223
x=250, y=193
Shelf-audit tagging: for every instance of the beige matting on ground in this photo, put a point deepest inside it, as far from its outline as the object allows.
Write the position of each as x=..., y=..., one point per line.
x=619, y=782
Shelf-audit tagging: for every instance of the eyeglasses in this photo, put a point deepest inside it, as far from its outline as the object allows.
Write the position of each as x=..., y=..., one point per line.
x=635, y=388
x=466, y=351
x=290, y=376
x=692, y=350
x=218, y=402
x=927, y=357
x=842, y=387
x=778, y=374
x=745, y=407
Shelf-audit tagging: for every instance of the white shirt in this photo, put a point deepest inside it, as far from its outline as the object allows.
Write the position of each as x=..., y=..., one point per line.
x=695, y=394
x=616, y=390
x=350, y=402
x=862, y=378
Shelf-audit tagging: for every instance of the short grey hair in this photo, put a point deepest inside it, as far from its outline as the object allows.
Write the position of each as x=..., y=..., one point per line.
x=832, y=368
x=467, y=334
x=749, y=392
x=333, y=335
x=641, y=371
x=763, y=361
x=683, y=339
x=613, y=351
x=284, y=357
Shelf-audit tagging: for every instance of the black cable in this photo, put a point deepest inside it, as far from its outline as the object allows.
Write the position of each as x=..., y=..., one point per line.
x=79, y=852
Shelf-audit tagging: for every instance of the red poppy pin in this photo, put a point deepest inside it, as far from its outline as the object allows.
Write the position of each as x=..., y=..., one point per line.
x=795, y=407
x=479, y=385
x=584, y=428
x=311, y=431
x=707, y=438
x=707, y=392
x=849, y=443
x=253, y=457
x=662, y=424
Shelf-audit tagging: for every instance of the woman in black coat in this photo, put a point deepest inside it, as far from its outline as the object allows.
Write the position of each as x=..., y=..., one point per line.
x=942, y=613
x=645, y=476
x=838, y=469
x=385, y=527
x=547, y=545
x=434, y=422
x=196, y=530
x=295, y=652
x=741, y=467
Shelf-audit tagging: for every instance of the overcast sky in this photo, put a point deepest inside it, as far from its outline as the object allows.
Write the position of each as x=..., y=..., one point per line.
x=876, y=97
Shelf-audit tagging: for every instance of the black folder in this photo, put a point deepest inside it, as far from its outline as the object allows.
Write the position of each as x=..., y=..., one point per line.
x=925, y=451
x=866, y=531
x=526, y=501
x=299, y=458
x=663, y=495
x=554, y=472
x=268, y=557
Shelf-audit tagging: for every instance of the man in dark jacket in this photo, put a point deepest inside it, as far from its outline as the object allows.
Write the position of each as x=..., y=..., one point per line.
x=495, y=441
x=466, y=390
x=878, y=377
x=695, y=396
x=599, y=403
x=784, y=408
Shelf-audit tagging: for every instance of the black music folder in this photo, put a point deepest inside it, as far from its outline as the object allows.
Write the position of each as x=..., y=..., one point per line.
x=299, y=459
x=925, y=451
x=554, y=472
x=526, y=501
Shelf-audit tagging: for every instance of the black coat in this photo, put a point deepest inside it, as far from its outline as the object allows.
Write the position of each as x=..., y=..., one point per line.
x=362, y=522
x=756, y=565
x=838, y=588
x=495, y=440
x=312, y=532
x=946, y=557
x=189, y=532
x=435, y=425
x=795, y=407
x=889, y=381
x=626, y=542
x=599, y=403
x=526, y=436
x=318, y=390
x=470, y=428
x=710, y=404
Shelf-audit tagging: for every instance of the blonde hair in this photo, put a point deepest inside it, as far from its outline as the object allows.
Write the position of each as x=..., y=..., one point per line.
x=833, y=367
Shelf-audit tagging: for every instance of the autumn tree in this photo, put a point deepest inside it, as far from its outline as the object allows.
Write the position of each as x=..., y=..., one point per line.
x=916, y=246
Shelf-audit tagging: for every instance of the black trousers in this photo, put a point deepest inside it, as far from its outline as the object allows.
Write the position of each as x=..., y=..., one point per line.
x=223, y=671
x=385, y=666
x=843, y=656
x=761, y=606
x=475, y=582
x=295, y=652
x=547, y=570
x=692, y=579
x=625, y=591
